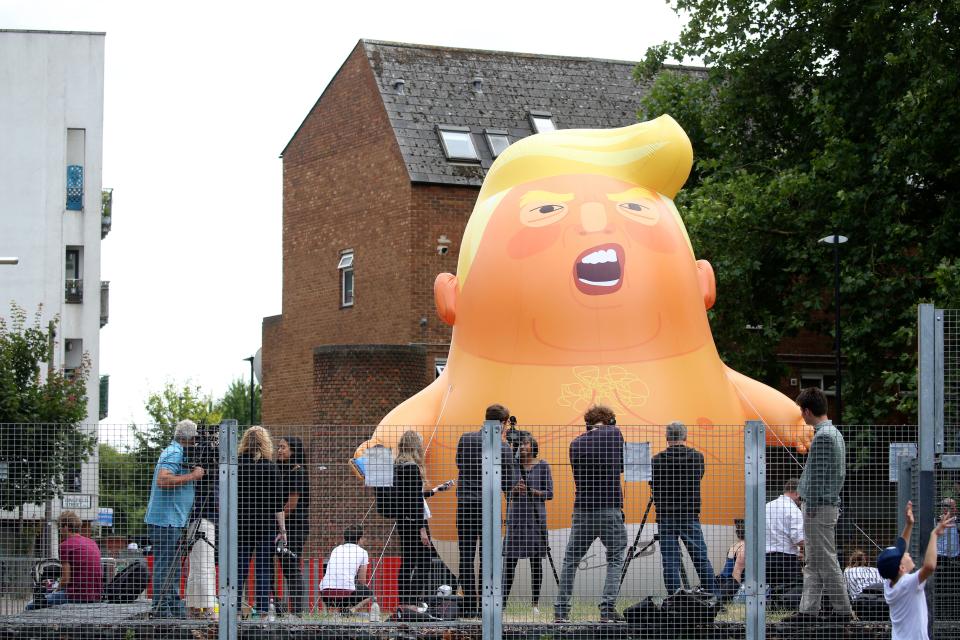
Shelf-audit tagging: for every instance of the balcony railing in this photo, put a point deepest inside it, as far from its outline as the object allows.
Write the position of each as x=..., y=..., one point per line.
x=74, y=290
x=106, y=212
x=104, y=302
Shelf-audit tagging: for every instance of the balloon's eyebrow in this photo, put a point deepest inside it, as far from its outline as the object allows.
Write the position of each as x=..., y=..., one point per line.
x=544, y=196
x=637, y=193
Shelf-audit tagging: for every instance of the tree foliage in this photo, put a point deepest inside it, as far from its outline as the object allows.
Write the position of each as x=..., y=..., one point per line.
x=168, y=407
x=815, y=117
x=235, y=403
x=41, y=410
x=122, y=488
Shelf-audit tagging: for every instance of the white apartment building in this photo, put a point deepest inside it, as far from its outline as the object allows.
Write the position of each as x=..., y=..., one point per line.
x=53, y=211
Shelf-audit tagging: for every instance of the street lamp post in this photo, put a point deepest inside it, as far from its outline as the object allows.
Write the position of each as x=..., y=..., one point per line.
x=836, y=240
x=250, y=360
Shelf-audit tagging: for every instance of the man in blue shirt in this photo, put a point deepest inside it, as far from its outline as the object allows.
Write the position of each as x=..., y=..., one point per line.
x=596, y=459
x=171, y=498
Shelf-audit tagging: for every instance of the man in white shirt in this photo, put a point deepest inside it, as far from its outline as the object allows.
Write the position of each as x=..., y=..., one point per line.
x=902, y=589
x=344, y=584
x=784, y=549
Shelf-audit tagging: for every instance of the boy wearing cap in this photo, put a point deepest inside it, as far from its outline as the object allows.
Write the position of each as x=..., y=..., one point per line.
x=902, y=589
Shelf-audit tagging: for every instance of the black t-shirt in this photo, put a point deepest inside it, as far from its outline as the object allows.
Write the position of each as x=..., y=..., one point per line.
x=260, y=495
x=296, y=481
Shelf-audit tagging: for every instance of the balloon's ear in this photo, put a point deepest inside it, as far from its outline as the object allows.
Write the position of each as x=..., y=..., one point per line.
x=708, y=283
x=445, y=297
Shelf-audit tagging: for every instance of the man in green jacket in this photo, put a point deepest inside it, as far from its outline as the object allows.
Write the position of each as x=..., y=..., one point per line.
x=819, y=490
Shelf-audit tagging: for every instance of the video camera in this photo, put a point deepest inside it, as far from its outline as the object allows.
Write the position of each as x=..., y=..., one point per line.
x=515, y=436
x=205, y=450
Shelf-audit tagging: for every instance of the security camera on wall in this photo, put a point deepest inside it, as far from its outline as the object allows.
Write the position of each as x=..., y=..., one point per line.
x=442, y=250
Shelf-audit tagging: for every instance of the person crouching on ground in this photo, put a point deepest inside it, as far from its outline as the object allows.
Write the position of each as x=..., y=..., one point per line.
x=903, y=589
x=344, y=584
x=81, y=578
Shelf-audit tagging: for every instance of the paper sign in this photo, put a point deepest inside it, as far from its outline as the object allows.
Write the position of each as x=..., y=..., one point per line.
x=105, y=516
x=636, y=461
x=898, y=449
x=73, y=501
x=378, y=467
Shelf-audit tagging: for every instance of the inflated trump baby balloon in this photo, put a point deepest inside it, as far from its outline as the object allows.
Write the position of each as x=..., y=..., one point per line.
x=577, y=284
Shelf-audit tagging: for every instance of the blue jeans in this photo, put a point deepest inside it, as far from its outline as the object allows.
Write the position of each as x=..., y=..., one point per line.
x=686, y=528
x=53, y=599
x=606, y=524
x=262, y=570
x=166, y=571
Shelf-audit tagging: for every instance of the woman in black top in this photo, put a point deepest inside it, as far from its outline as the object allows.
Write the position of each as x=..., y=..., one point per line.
x=409, y=494
x=260, y=512
x=293, y=474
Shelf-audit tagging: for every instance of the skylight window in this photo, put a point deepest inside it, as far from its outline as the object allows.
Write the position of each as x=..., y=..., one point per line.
x=542, y=121
x=498, y=141
x=458, y=144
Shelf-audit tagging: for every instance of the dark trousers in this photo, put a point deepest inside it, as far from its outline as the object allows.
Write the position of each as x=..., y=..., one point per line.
x=262, y=551
x=672, y=529
x=469, y=532
x=414, y=562
x=536, y=578
x=293, y=581
x=783, y=570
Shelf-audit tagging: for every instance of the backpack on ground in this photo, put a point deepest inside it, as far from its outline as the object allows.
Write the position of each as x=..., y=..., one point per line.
x=128, y=584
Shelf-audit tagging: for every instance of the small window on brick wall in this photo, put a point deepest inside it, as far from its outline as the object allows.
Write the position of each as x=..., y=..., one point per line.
x=827, y=382
x=345, y=266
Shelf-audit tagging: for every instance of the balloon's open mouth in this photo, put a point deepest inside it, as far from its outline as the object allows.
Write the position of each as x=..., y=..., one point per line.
x=599, y=270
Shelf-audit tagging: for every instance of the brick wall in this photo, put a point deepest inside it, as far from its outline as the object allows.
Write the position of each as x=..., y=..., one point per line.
x=345, y=186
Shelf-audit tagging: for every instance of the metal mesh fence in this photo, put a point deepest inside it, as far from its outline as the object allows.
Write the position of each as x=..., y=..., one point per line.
x=599, y=527
x=951, y=380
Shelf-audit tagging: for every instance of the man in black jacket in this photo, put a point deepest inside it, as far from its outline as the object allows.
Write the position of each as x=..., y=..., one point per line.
x=596, y=459
x=677, y=471
x=470, y=501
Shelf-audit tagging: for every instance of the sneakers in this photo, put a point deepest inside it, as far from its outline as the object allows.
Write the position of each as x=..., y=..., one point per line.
x=611, y=615
x=561, y=619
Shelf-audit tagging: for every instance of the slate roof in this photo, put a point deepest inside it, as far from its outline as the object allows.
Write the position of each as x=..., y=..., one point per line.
x=438, y=89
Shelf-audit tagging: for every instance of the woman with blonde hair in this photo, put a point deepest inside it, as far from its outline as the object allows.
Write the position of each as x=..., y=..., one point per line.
x=409, y=495
x=260, y=501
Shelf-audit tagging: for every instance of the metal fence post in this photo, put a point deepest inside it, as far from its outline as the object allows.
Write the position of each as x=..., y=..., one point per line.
x=930, y=435
x=492, y=557
x=227, y=532
x=755, y=494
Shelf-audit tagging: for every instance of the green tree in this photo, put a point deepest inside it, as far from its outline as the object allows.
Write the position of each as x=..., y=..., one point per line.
x=122, y=488
x=41, y=412
x=235, y=403
x=168, y=407
x=815, y=117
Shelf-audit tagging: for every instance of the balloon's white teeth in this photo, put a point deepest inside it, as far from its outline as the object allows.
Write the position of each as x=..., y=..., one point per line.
x=605, y=283
x=600, y=256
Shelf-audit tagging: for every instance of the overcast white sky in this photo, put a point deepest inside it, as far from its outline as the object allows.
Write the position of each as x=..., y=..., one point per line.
x=201, y=97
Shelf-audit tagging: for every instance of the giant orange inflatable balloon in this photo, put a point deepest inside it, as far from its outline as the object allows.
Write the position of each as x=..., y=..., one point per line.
x=577, y=284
